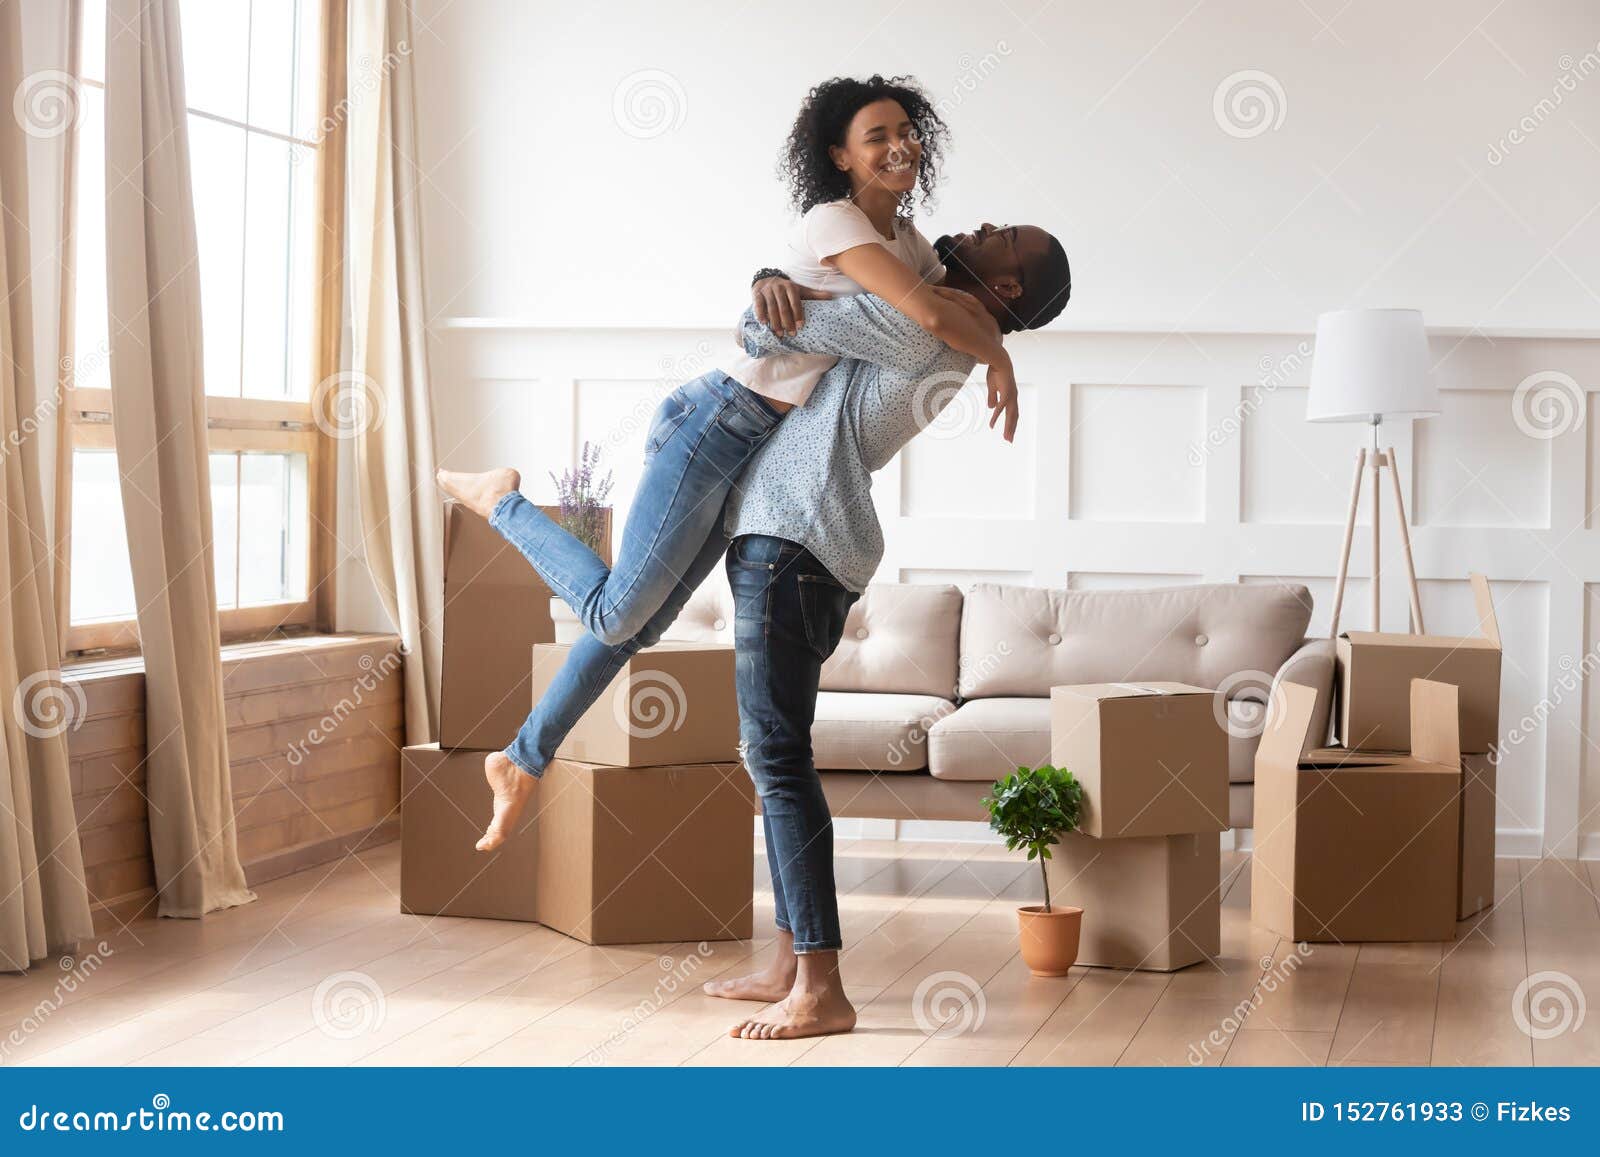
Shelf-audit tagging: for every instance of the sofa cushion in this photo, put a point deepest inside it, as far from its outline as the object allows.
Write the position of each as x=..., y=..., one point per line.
x=860, y=731
x=988, y=738
x=1025, y=640
x=708, y=615
x=900, y=638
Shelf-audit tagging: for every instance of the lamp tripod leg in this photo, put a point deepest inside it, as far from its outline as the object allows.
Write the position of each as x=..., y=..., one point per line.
x=1349, y=539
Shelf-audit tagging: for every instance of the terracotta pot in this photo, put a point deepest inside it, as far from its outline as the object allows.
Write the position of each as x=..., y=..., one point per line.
x=1049, y=939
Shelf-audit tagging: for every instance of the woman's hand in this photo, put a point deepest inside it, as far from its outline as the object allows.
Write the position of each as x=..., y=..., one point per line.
x=777, y=302
x=1003, y=397
x=1002, y=380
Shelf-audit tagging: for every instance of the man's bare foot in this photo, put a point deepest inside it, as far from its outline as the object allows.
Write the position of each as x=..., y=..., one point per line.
x=816, y=1006
x=801, y=1014
x=770, y=985
x=479, y=492
x=512, y=789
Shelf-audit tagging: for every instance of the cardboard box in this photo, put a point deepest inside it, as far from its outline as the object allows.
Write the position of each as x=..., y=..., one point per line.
x=1376, y=669
x=1152, y=758
x=1475, y=880
x=1149, y=902
x=673, y=703
x=1356, y=846
x=444, y=807
x=635, y=855
x=495, y=607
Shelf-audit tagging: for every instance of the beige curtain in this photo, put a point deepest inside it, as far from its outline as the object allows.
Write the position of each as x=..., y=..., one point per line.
x=391, y=418
x=44, y=905
x=158, y=411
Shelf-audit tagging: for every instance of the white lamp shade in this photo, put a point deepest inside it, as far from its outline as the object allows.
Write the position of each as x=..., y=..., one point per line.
x=1371, y=364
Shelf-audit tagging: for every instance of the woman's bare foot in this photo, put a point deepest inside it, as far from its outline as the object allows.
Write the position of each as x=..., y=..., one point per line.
x=479, y=492
x=770, y=985
x=512, y=789
x=816, y=1006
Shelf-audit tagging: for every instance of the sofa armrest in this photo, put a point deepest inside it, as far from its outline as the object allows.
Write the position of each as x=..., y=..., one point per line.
x=1312, y=666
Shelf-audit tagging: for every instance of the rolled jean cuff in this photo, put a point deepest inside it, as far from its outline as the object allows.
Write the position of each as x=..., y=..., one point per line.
x=517, y=763
x=498, y=513
x=815, y=946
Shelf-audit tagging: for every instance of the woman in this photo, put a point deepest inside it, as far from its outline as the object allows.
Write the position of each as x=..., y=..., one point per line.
x=857, y=155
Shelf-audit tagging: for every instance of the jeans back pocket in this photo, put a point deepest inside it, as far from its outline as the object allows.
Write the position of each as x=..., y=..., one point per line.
x=670, y=414
x=743, y=422
x=824, y=606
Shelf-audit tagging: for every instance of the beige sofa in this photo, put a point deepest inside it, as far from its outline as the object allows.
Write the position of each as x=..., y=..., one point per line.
x=934, y=693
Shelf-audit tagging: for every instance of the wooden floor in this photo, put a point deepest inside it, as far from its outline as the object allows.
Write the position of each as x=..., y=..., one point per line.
x=325, y=970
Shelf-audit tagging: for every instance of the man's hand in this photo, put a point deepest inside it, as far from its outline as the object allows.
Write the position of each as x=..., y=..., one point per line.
x=777, y=304
x=1003, y=397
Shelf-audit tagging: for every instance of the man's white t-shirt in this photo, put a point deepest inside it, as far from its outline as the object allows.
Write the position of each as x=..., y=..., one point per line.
x=825, y=231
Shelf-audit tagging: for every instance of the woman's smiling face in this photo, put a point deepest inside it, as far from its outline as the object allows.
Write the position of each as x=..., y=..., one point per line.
x=880, y=148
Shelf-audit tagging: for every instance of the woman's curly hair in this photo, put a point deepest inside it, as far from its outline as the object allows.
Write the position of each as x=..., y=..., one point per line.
x=823, y=121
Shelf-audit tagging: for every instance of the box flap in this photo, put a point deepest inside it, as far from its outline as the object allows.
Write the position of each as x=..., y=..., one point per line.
x=1488, y=625
x=1288, y=733
x=1435, y=722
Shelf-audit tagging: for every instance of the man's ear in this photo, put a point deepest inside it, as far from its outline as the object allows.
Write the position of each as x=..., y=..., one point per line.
x=1006, y=288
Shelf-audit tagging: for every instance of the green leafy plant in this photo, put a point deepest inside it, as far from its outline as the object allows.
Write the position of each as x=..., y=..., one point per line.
x=1031, y=808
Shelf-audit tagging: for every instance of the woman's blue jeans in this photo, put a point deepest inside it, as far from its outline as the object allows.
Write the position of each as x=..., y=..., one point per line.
x=701, y=439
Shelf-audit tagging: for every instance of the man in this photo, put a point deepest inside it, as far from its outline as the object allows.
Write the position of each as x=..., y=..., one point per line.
x=805, y=543
x=809, y=542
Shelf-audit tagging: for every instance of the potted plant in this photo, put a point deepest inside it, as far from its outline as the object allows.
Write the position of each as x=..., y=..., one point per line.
x=585, y=515
x=1031, y=808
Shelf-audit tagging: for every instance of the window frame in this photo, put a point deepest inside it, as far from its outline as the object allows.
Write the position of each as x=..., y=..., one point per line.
x=234, y=424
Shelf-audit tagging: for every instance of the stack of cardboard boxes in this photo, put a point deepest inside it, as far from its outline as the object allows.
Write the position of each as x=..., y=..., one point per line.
x=1144, y=864
x=1389, y=836
x=640, y=830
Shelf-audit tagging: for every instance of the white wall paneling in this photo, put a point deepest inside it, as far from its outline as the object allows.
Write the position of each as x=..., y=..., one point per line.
x=969, y=508
x=1085, y=580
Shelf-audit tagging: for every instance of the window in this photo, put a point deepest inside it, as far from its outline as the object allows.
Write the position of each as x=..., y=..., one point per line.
x=254, y=82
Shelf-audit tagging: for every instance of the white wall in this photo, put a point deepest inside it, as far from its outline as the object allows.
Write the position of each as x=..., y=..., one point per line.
x=1095, y=120
x=576, y=273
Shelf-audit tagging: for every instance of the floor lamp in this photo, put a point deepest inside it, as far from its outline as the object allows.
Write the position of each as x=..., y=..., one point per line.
x=1372, y=364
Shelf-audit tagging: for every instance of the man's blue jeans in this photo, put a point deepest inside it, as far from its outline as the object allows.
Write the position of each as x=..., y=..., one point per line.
x=701, y=439
x=789, y=617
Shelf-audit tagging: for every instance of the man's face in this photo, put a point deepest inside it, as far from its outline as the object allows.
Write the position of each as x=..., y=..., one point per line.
x=992, y=262
x=994, y=254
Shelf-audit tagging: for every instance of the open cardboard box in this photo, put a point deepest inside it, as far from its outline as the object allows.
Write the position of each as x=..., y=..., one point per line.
x=1376, y=669
x=1151, y=757
x=495, y=608
x=1356, y=846
x=670, y=703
